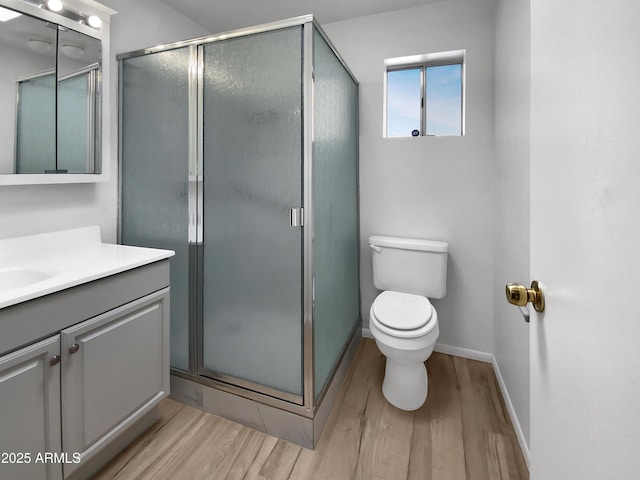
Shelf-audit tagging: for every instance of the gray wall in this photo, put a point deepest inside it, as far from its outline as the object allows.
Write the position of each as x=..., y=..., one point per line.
x=511, y=209
x=427, y=187
x=43, y=208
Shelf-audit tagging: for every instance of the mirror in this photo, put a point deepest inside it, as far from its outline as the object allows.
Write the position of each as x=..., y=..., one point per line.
x=49, y=98
x=78, y=102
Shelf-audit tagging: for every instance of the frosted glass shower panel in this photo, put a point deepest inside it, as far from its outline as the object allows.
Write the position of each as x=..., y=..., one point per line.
x=76, y=110
x=155, y=172
x=36, y=140
x=335, y=183
x=252, y=289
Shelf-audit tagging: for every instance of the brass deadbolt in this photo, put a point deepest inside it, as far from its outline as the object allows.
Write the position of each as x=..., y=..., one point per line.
x=518, y=294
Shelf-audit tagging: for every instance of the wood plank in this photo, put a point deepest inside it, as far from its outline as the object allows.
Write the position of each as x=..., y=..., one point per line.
x=242, y=454
x=491, y=412
x=447, y=444
x=366, y=374
x=393, y=443
x=167, y=410
x=207, y=445
x=370, y=416
x=420, y=461
x=341, y=446
x=161, y=445
x=385, y=443
x=280, y=461
x=265, y=450
x=474, y=420
x=500, y=457
x=337, y=453
x=462, y=432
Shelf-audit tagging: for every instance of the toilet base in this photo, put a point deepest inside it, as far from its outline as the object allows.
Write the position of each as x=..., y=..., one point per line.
x=405, y=386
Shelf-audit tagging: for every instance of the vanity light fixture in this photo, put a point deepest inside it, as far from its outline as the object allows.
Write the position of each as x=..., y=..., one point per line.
x=57, y=6
x=94, y=21
x=40, y=46
x=54, y=5
x=6, y=14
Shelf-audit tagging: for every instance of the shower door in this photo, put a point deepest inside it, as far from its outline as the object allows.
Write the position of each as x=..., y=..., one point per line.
x=250, y=325
x=156, y=176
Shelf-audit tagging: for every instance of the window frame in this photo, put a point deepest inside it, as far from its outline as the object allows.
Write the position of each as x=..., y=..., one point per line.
x=422, y=62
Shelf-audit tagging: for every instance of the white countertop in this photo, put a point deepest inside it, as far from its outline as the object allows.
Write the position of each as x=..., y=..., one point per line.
x=56, y=261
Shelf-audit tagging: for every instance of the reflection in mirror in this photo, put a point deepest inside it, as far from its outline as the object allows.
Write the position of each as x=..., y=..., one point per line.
x=27, y=95
x=48, y=126
x=78, y=102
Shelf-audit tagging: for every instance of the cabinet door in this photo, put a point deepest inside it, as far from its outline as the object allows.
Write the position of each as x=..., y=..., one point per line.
x=30, y=412
x=115, y=370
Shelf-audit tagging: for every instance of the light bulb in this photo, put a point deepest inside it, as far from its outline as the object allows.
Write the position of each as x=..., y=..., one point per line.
x=54, y=5
x=94, y=21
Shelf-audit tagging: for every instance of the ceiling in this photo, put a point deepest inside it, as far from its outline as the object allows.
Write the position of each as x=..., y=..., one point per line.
x=217, y=16
x=16, y=34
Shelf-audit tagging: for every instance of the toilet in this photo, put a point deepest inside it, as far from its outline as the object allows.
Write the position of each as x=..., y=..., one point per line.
x=402, y=320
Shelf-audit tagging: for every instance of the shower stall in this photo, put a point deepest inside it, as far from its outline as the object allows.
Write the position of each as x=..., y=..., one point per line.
x=240, y=152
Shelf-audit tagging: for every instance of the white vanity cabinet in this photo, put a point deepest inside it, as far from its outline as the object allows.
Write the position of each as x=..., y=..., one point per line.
x=92, y=385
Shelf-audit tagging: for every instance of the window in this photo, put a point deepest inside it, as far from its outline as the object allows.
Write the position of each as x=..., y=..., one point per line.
x=425, y=95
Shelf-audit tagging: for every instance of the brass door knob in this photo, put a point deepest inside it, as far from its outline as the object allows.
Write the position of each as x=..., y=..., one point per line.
x=518, y=294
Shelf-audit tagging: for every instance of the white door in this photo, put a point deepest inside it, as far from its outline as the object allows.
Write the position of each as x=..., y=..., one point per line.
x=585, y=239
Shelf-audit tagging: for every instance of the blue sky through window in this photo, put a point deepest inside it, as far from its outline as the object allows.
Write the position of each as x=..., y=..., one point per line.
x=444, y=100
x=403, y=102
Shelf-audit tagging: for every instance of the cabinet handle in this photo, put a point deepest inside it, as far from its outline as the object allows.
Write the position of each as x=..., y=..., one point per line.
x=74, y=348
x=55, y=360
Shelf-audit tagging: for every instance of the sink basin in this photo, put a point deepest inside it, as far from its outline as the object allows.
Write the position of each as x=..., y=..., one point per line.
x=12, y=278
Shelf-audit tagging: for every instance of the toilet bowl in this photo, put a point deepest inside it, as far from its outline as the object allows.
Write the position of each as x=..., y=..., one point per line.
x=402, y=320
x=405, y=328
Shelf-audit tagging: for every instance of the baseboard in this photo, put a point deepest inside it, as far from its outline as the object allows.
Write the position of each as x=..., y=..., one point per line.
x=449, y=350
x=487, y=358
x=512, y=412
x=463, y=352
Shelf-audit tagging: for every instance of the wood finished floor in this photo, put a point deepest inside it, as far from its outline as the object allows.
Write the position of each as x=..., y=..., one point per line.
x=463, y=432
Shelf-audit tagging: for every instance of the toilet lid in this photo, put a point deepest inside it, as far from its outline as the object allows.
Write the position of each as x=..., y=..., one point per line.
x=402, y=311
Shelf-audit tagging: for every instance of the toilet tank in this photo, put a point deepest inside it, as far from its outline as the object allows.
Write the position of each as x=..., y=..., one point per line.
x=410, y=265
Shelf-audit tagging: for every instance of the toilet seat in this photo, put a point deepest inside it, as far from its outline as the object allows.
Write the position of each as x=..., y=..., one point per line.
x=402, y=311
x=403, y=315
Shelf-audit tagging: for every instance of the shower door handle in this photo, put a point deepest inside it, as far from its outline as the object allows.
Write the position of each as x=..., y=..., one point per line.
x=296, y=217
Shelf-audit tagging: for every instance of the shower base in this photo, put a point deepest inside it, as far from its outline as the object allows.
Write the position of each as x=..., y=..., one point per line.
x=275, y=417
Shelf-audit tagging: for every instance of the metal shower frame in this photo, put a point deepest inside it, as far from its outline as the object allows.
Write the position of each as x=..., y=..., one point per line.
x=306, y=404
